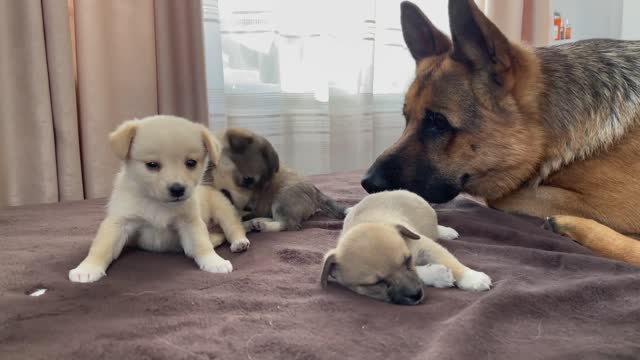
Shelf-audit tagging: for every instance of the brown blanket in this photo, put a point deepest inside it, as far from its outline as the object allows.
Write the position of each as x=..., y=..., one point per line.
x=552, y=298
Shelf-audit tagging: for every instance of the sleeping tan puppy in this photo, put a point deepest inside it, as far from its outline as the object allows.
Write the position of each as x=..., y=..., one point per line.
x=383, y=238
x=152, y=204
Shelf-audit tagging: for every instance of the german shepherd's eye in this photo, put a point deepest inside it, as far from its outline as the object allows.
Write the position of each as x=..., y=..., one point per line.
x=434, y=124
x=247, y=181
x=191, y=164
x=152, y=165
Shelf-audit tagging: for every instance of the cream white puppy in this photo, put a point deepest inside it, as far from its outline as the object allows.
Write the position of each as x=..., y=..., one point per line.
x=152, y=205
x=383, y=238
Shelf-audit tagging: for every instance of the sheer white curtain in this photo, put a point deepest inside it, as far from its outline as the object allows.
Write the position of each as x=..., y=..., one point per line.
x=323, y=80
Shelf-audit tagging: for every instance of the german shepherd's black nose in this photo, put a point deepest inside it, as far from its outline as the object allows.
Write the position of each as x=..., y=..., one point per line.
x=374, y=182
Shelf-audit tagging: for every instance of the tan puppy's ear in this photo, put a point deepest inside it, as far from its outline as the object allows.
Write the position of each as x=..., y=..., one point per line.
x=122, y=137
x=328, y=267
x=212, y=145
x=406, y=233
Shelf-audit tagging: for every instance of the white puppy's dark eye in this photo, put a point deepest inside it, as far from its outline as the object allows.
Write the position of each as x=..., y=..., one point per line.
x=191, y=164
x=152, y=165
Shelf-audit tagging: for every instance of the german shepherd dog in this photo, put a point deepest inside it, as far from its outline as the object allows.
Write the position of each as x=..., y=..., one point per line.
x=552, y=132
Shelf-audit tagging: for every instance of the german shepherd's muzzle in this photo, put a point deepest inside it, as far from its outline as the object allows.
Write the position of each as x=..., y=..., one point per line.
x=389, y=172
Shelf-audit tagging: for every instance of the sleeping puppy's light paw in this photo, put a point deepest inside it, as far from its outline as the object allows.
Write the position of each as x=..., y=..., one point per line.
x=213, y=263
x=348, y=210
x=240, y=245
x=436, y=275
x=447, y=233
x=474, y=281
x=86, y=273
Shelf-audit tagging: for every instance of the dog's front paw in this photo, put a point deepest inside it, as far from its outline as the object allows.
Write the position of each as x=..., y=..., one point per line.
x=213, y=263
x=436, y=275
x=240, y=245
x=474, y=281
x=86, y=273
x=447, y=233
x=255, y=225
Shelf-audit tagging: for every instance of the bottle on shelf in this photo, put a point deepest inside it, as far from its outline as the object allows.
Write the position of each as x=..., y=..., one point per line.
x=567, y=29
x=557, y=24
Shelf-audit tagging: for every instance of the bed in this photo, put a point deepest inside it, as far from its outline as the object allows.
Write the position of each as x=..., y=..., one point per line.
x=552, y=298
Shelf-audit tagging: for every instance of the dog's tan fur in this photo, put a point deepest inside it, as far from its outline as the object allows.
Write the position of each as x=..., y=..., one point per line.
x=383, y=238
x=550, y=132
x=157, y=153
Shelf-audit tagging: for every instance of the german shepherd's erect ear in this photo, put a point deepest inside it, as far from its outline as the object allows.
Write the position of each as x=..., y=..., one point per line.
x=422, y=38
x=477, y=42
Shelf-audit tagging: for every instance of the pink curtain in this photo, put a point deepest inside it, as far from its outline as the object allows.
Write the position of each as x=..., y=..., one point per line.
x=520, y=20
x=72, y=71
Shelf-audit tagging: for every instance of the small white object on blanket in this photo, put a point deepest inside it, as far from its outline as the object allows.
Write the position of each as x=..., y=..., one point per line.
x=38, y=292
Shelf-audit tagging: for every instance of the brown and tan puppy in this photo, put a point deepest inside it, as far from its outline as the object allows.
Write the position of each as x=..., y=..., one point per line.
x=384, y=237
x=152, y=205
x=275, y=197
x=552, y=132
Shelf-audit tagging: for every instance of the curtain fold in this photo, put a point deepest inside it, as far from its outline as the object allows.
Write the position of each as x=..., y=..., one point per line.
x=28, y=161
x=180, y=64
x=115, y=51
x=132, y=59
x=63, y=100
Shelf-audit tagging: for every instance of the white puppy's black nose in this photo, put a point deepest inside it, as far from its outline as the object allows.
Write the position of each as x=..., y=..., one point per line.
x=176, y=190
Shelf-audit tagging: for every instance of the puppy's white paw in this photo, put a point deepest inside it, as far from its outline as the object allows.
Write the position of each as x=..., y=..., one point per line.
x=240, y=245
x=435, y=275
x=474, y=281
x=213, y=263
x=348, y=210
x=447, y=233
x=86, y=273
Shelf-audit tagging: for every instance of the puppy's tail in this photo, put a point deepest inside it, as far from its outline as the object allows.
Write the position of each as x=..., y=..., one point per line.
x=330, y=207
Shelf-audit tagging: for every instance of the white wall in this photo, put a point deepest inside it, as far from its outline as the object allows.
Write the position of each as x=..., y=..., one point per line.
x=631, y=20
